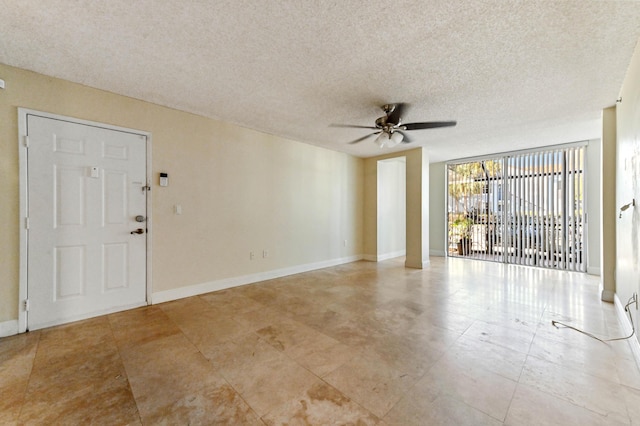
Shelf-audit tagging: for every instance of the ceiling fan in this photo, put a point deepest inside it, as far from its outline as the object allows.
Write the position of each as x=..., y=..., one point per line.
x=391, y=130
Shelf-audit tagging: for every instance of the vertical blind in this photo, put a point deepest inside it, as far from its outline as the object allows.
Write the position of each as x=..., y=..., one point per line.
x=524, y=208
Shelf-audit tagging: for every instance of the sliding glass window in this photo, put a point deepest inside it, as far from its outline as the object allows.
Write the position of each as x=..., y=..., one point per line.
x=521, y=208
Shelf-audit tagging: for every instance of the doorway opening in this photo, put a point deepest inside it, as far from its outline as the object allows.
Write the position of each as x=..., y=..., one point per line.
x=392, y=208
x=521, y=208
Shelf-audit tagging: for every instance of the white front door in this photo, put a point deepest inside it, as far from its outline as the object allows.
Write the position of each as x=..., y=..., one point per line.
x=85, y=187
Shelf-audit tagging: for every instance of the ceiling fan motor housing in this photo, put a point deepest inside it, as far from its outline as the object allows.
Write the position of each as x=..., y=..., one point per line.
x=388, y=108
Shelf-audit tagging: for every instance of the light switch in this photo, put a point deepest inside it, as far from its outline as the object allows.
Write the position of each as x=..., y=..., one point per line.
x=177, y=209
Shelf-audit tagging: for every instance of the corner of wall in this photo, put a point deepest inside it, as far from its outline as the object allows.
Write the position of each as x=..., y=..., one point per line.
x=8, y=328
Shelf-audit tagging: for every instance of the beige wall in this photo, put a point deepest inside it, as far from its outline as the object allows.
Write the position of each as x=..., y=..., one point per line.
x=608, y=211
x=370, y=213
x=240, y=190
x=417, y=208
x=437, y=209
x=628, y=185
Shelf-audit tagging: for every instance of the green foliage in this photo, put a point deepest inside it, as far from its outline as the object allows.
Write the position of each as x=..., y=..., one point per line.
x=462, y=227
x=469, y=179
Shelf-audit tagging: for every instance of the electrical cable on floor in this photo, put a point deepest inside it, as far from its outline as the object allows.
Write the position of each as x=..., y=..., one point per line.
x=631, y=301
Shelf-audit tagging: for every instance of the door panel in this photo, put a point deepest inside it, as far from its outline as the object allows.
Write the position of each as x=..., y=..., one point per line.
x=69, y=275
x=69, y=187
x=85, y=188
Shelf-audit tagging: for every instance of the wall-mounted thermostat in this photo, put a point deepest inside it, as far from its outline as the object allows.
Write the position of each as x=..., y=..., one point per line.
x=164, y=179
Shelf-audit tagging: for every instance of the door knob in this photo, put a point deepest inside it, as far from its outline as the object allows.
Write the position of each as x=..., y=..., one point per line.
x=138, y=231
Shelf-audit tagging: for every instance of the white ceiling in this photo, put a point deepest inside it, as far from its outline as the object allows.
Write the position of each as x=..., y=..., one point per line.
x=513, y=73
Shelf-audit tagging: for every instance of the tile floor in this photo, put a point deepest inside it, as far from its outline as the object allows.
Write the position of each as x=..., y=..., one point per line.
x=459, y=343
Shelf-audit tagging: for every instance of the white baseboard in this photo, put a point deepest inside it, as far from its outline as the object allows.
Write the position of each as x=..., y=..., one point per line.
x=207, y=287
x=392, y=255
x=381, y=257
x=628, y=328
x=437, y=253
x=8, y=328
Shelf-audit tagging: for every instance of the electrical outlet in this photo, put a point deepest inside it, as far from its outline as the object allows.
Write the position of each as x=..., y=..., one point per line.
x=265, y=254
x=344, y=243
x=251, y=255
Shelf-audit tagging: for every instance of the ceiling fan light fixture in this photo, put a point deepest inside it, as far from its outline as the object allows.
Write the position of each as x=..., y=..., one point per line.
x=388, y=139
x=383, y=140
x=395, y=139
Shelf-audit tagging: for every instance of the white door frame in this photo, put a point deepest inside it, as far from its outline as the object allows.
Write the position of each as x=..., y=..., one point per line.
x=23, y=113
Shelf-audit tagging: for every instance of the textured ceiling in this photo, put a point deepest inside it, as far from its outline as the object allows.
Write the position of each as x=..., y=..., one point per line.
x=514, y=74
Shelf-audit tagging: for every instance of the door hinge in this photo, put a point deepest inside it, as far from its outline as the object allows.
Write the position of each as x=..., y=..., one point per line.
x=25, y=304
x=26, y=223
x=26, y=141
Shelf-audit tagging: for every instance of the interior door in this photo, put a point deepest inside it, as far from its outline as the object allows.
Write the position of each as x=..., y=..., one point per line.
x=86, y=204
